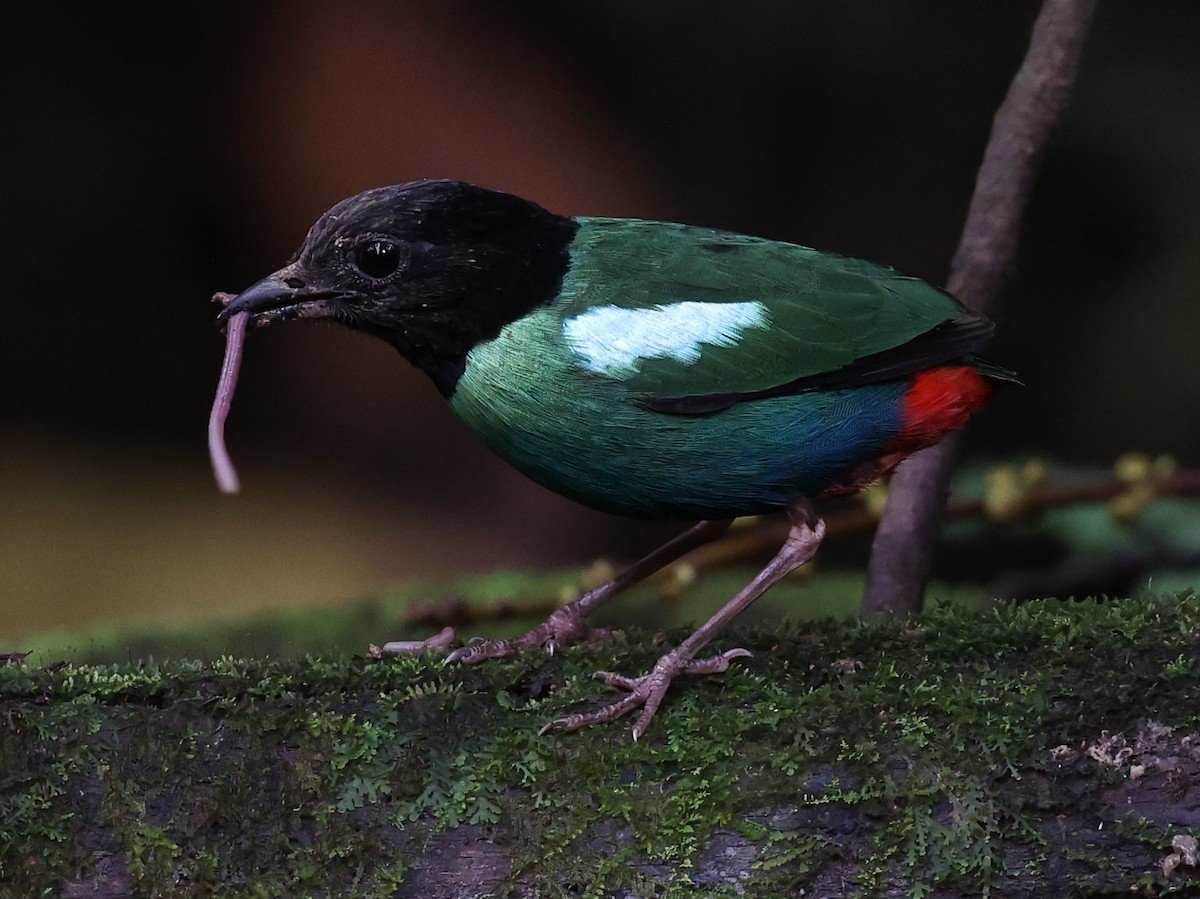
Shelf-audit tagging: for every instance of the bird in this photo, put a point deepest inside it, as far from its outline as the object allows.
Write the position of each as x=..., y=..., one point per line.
x=646, y=368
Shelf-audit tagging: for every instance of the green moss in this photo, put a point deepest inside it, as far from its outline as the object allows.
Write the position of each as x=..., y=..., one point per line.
x=884, y=755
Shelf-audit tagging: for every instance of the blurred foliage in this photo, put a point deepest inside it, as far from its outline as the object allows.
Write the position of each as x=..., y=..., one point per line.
x=352, y=626
x=1083, y=550
x=1135, y=541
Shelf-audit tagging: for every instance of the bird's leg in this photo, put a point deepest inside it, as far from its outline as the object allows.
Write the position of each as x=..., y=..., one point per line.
x=568, y=624
x=647, y=692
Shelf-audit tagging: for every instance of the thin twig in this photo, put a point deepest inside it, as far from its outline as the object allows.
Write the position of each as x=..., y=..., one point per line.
x=764, y=536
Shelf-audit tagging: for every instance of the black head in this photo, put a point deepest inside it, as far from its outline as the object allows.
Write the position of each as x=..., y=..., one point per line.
x=432, y=267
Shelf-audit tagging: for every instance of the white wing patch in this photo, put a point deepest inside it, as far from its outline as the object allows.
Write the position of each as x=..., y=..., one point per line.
x=612, y=340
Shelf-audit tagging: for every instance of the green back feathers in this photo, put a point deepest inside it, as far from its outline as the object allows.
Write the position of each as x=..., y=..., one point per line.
x=798, y=313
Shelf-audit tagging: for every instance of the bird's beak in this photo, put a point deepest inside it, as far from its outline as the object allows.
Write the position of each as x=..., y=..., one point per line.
x=280, y=297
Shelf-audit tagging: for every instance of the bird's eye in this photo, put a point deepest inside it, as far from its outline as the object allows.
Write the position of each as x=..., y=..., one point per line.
x=377, y=258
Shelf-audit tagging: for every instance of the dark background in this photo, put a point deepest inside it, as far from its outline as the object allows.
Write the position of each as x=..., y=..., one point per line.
x=153, y=154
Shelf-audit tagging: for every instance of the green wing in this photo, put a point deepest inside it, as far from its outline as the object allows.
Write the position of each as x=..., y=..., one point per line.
x=695, y=319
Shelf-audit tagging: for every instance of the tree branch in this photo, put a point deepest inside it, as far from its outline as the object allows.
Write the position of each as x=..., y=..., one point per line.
x=1048, y=749
x=902, y=552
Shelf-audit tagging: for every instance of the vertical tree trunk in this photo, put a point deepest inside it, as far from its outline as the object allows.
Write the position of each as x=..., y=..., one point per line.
x=902, y=552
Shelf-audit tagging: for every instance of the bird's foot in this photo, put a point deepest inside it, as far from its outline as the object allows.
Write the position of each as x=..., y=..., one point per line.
x=645, y=692
x=564, y=626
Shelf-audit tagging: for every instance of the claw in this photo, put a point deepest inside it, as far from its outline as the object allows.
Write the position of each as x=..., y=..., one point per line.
x=716, y=664
x=645, y=692
x=466, y=654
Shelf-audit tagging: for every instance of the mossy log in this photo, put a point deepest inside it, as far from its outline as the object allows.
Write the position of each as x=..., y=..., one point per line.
x=1046, y=749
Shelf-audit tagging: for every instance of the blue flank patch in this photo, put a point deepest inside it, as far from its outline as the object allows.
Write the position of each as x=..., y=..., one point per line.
x=748, y=459
x=791, y=446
